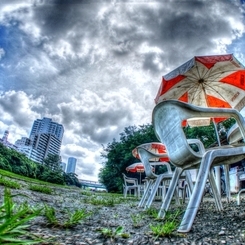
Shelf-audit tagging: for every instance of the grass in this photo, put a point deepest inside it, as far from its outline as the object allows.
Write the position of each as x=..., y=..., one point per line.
x=104, y=201
x=137, y=218
x=13, y=222
x=29, y=180
x=9, y=183
x=69, y=220
x=170, y=224
x=39, y=188
x=110, y=233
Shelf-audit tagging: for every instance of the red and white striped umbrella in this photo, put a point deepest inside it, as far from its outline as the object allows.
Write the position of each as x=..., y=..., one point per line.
x=154, y=147
x=207, y=81
x=136, y=167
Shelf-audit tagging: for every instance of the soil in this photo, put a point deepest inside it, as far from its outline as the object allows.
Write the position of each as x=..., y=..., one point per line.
x=210, y=226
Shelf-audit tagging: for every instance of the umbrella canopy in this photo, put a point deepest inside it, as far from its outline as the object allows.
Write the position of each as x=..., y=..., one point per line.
x=154, y=147
x=136, y=167
x=207, y=81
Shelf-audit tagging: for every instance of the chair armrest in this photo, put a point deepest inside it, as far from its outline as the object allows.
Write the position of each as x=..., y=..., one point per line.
x=216, y=112
x=198, y=143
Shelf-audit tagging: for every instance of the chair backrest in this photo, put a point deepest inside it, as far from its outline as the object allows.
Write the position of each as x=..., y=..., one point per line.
x=129, y=181
x=167, y=120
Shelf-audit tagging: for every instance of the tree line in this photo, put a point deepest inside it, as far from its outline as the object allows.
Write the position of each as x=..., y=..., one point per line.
x=117, y=155
x=49, y=171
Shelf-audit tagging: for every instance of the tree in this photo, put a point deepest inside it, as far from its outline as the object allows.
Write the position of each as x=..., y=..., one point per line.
x=52, y=161
x=71, y=179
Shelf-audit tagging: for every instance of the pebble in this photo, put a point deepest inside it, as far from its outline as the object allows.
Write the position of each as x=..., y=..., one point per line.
x=207, y=228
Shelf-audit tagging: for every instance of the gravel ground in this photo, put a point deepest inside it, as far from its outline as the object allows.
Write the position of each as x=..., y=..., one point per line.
x=210, y=226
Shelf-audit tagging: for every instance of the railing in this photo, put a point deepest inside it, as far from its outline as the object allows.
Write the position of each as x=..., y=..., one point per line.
x=90, y=183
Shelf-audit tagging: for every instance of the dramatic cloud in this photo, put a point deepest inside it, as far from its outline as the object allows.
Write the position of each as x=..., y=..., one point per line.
x=95, y=66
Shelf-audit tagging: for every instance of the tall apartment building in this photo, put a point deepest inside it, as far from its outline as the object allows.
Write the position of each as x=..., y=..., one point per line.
x=71, y=165
x=47, y=126
x=45, y=138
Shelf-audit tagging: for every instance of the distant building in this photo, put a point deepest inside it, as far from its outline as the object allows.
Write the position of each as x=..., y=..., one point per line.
x=63, y=166
x=24, y=141
x=71, y=165
x=5, y=142
x=5, y=136
x=45, y=138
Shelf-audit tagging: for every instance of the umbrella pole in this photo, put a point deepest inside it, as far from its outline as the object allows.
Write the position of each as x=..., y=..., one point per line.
x=217, y=169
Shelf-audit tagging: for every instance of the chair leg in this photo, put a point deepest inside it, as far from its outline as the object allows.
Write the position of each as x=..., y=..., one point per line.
x=146, y=193
x=154, y=190
x=227, y=183
x=217, y=196
x=170, y=192
x=197, y=194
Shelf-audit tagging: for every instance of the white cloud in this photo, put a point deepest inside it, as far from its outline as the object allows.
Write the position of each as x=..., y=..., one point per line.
x=96, y=68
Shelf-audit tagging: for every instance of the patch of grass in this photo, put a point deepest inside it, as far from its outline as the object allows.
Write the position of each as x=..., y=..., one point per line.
x=42, y=189
x=137, y=218
x=109, y=202
x=152, y=212
x=109, y=233
x=74, y=218
x=168, y=227
x=13, y=222
x=86, y=193
x=9, y=183
x=49, y=213
x=29, y=180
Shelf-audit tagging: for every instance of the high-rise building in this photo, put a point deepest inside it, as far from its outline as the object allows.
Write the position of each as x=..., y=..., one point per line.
x=71, y=165
x=43, y=145
x=45, y=138
x=47, y=126
x=5, y=136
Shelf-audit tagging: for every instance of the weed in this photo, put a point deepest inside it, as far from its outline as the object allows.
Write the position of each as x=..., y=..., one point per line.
x=50, y=215
x=73, y=218
x=169, y=226
x=42, y=189
x=86, y=193
x=9, y=183
x=109, y=233
x=12, y=223
x=137, y=218
x=109, y=202
x=152, y=212
x=76, y=217
x=163, y=229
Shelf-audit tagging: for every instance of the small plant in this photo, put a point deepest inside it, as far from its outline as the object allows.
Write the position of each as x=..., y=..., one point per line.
x=73, y=218
x=109, y=202
x=137, y=218
x=86, y=193
x=152, y=212
x=76, y=217
x=50, y=215
x=12, y=222
x=42, y=189
x=109, y=233
x=169, y=226
x=163, y=229
x=9, y=183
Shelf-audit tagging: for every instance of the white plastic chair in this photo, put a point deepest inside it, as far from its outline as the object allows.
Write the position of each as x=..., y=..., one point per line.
x=167, y=122
x=129, y=185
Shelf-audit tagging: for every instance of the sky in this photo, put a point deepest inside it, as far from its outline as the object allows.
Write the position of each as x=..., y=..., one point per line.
x=95, y=66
